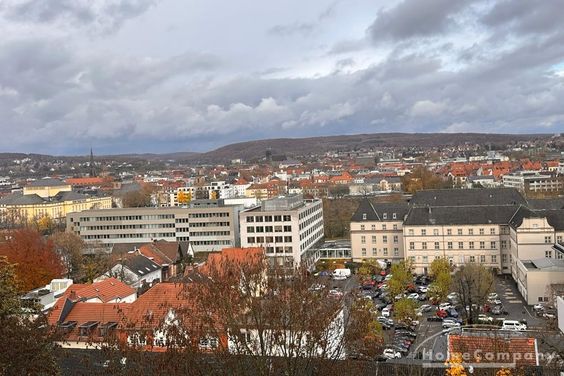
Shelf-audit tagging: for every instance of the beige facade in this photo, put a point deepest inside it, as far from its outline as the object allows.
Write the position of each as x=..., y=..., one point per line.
x=207, y=227
x=46, y=188
x=459, y=243
x=57, y=210
x=535, y=277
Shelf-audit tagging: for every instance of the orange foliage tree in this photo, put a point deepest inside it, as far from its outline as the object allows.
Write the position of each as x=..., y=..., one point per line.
x=35, y=258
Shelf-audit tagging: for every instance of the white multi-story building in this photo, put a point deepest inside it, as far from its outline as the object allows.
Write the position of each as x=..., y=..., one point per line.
x=207, y=225
x=533, y=181
x=213, y=190
x=287, y=227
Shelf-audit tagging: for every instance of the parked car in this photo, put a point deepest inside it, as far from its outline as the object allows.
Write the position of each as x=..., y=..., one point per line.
x=513, y=325
x=493, y=296
x=423, y=289
x=426, y=308
x=385, y=320
x=335, y=293
x=414, y=296
x=451, y=312
x=452, y=296
x=485, y=319
x=386, y=312
x=445, y=306
x=422, y=297
x=549, y=314
x=539, y=307
x=442, y=313
x=340, y=274
x=450, y=324
x=391, y=353
x=495, y=301
x=499, y=310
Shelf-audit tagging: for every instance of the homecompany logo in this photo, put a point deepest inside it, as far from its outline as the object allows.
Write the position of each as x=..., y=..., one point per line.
x=481, y=346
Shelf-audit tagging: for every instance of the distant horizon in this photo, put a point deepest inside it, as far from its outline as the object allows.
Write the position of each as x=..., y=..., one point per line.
x=156, y=153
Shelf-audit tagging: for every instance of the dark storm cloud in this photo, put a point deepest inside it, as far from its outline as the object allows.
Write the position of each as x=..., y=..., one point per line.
x=415, y=18
x=523, y=16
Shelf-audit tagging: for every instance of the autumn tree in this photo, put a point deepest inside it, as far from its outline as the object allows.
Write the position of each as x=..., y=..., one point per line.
x=421, y=178
x=138, y=198
x=36, y=260
x=27, y=346
x=274, y=319
x=404, y=310
x=368, y=268
x=440, y=272
x=69, y=246
x=184, y=198
x=401, y=278
x=473, y=282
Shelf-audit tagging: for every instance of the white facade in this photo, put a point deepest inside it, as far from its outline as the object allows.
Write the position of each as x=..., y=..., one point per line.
x=288, y=228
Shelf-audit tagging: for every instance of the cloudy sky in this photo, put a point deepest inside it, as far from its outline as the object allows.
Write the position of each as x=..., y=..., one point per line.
x=170, y=75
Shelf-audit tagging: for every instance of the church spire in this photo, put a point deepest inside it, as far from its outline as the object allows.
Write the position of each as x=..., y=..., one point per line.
x=91, y=164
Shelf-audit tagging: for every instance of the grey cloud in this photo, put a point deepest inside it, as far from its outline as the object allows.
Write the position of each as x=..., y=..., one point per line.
x=522, y=16
x=299, y=28
x=415, y=18
x=100, y=16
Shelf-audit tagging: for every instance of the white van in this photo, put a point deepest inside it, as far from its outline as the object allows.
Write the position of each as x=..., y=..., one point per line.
x=513, y=325
x=340, y=274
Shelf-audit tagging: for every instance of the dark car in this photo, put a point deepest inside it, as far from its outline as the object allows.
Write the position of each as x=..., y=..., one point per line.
x=499, y=310
x=422, y=297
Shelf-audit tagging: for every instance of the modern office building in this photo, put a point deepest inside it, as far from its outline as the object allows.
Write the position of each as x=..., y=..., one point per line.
x=208, y=225
x=533, y=181
x=288, y=228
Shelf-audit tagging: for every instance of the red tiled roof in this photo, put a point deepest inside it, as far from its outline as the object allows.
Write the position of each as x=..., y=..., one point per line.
x=520, y=350
x=152, y=307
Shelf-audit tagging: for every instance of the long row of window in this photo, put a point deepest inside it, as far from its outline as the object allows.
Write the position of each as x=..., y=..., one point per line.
x=268, y=239
x=374, y=239
x=260, y=229
x=459, y=231
x=461, y=259
x=450, y=245
x=384, y=227
x=268, y=218
x=381, y=252
x=127, y=218
x=127, y=227
x=158, y=235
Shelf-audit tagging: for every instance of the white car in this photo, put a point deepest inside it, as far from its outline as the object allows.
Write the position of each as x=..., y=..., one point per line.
x=423, y=289
x=538, y=307
x=452, y=296
x=495, y=301
x=388, y=277
x=391, y=354
x=335, y=293
x=513, y=325
x=445, y=306
x=386, y=312
x=450, y=324
x=413, y=296
x=484, y=318
x=493, y=296
x=400, y=296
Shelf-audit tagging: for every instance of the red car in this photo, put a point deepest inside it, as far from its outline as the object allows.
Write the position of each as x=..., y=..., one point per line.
x=442, y=313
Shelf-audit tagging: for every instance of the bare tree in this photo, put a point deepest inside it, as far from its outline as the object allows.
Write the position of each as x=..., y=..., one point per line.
x=473, y=282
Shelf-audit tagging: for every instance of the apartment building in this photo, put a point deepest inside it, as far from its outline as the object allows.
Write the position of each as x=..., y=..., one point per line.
x=288, y=228
x=208, y=225
x=533, y=181
x=377, y=231
x=494, y=227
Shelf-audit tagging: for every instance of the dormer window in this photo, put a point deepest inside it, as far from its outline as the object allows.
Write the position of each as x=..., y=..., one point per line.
x=385, y=215
x=364, y=216
x=394, y=216
x=87, y=328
